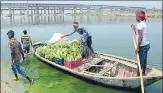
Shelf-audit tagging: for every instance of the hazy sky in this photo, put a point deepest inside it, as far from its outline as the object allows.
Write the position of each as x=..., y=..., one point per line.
x=147, y=4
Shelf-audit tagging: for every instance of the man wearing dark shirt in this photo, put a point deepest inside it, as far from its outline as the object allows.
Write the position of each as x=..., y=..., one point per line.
x=16, y=54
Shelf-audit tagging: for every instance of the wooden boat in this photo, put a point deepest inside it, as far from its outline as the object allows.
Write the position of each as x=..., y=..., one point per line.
x=111, y=70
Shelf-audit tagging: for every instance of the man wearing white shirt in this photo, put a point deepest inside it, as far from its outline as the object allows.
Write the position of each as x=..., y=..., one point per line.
x=143, y=44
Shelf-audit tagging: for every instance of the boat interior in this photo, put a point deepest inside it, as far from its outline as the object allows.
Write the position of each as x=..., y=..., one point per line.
x=109, y=66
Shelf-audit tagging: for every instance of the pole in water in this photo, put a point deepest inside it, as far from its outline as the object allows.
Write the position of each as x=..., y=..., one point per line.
x=138, y=59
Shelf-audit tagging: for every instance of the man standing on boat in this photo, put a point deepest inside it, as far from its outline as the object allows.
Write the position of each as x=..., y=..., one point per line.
x=143, y=44
x=26, y=41
x=16, y=55
x=85, y=50
x=89, y=37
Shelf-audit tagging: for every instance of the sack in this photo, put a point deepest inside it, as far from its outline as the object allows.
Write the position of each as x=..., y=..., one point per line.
x=56, y=37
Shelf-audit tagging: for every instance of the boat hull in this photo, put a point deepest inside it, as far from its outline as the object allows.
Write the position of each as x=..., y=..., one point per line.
x=112, y=81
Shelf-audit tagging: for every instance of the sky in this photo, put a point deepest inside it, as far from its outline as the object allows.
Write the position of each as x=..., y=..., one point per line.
x=147, y=4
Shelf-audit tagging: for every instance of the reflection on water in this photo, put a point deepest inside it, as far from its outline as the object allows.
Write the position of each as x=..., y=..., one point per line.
x=54, y=19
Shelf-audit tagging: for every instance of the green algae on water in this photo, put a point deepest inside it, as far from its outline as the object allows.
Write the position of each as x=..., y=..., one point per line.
x=47, y=79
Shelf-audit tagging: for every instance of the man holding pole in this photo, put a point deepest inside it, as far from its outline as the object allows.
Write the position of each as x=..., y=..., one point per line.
x=143, y=44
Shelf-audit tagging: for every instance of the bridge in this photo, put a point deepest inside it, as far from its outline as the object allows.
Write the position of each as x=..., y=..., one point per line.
x=39, y=8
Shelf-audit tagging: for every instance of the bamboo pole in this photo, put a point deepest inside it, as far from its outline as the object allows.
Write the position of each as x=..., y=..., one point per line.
x=137, y=55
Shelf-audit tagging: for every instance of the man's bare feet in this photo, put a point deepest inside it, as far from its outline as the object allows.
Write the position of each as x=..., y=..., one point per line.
x=31, y=81
x=16, y=79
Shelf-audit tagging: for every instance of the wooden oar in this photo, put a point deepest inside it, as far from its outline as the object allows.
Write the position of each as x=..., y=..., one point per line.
x=140, y=70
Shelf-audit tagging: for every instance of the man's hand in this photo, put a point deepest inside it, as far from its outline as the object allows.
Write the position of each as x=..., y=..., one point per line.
x=133, y=27
x=62, y=36
x=12, y=64
x=137, y=50
x=23, y=58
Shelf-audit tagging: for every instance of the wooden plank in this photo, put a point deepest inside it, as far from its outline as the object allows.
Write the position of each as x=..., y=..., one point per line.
x=107, y=69
x=89, y=72
x=97, y=60
x=97, y=65
x=121, y=58
x=123, y=62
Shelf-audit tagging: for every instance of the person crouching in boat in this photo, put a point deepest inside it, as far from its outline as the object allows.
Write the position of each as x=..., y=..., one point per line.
x=26, y=41
x=89, y=37
x=143, y=44
x=86, y=52
x=16, y=55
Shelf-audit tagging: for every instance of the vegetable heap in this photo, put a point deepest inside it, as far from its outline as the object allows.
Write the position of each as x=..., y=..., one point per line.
x=62, y=49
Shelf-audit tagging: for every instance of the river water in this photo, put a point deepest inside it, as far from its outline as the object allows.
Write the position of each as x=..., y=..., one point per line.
x=110, y=35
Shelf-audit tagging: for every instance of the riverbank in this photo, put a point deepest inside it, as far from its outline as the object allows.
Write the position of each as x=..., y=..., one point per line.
x=6, y=88
x=8, y=85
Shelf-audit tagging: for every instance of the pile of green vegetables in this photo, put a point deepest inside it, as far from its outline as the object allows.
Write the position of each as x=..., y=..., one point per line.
x=62, y=49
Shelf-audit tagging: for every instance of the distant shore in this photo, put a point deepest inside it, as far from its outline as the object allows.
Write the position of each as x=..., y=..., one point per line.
x=155, y=15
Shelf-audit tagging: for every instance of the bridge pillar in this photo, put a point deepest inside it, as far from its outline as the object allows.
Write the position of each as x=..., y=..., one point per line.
x=27, y=10
x=41, y=11
x=48, y=11
x=24, y=12
x=13, y=12
x=44, y=10
x=34, y=11
x=31, y=11
x=37, y=10
x=81, y=10
x=57, y=11
x=20, y=11
x=54, y=10
x=51, y=11
x=88, y=10
x=1, y=12
x=74, y=10
x=63, y=10
x=55, y=19
x=10, y=14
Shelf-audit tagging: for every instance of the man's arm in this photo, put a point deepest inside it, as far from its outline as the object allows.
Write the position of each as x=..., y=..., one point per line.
x=133, y=28
x=21, y=40
x=21, y=51
x=140, y=32
x=12, y=55
x=69, y=34
x=30, y=41
x=12, y=52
